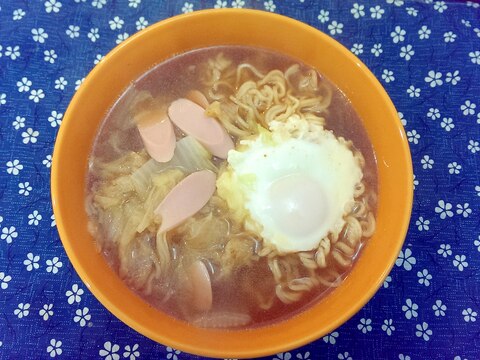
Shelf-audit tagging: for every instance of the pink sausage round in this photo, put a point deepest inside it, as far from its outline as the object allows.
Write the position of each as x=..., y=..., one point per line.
x=201, y=286
x=186, y=198
x=191, y=119
x=198, y=98
x=157, y=134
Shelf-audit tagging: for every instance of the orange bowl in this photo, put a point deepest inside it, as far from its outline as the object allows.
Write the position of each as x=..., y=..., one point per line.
x=240, y=27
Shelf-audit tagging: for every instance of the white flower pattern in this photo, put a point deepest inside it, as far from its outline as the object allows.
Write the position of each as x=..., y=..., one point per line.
x=344, y=356
x=323, y=16
x=398, y=35
x=53, y=265
x=427, y=162
x=46, y=311
x=172, y=354
x=453, y=77
x=413, y=92
x=410, y=309
x=331, y=338
x=4, y=280
x=357, y=10
x=269, y=5
x=18, y=14
x=475, y=57
x=24, y=85
x=75, y=294
x=365, y=325
x=376, y=12
x=469, y=315
x=55, y=348
x=424, y=53
x=387, y=76
x=386, y=283
x=447, y=124
x=357, y=49
x=14, y=167
x=141, y=23
x=444, y=209
x=335, y=28
x=433, y=113
x=407, y=52
x=388, y=327
x=424, y=32
x=406, y=259
x=131, y=352
x=440, y=6
x=82, y=316
x=460, y=262
x=439, y=308
x=18, y=123
x=422, y=225
x=93, y=34
x=468, y=108
x=52, y=6
x=445, y=250
x=454, y=168
x=473, y=146
x=434, y=78
x=109, y=351
x=424, y=277
x=377, y=50
x=413, y=136
x=34, y=218
x=73, y=31
x=412, y=11
x=9, y=233
x=423, y=331
x=22, y=310
x=31, y=262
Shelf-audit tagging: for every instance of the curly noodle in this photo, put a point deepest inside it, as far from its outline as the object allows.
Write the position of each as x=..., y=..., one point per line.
x=243, y=97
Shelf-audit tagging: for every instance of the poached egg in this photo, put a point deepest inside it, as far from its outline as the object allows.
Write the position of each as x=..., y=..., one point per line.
x=291, y=184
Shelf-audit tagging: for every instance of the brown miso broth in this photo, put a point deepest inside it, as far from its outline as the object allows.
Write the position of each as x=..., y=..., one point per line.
x=216, y=269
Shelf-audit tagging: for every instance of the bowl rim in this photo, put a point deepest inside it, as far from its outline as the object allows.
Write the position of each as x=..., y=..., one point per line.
x=268, y=349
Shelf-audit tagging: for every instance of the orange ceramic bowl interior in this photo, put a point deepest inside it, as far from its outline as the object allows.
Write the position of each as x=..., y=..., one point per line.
x=242, y=27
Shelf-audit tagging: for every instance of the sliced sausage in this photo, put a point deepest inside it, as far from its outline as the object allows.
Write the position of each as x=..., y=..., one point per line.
x=157, y=134
x=198, y=98
x=186, y=198
x=201, y=286
x=191, y=119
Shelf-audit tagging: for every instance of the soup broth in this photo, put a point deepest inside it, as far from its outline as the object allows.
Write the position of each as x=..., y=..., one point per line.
x=293, y=201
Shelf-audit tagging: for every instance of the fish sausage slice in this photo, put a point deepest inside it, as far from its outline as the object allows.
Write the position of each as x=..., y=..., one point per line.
x=191, y=119
x=201, y=286
x=198, y=98
x=157, y=134
x=186, y=198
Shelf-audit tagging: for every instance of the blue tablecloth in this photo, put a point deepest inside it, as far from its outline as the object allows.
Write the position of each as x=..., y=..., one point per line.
x=426, y=54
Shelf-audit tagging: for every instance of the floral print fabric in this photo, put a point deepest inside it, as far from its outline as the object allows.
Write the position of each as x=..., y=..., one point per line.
x=427, y=56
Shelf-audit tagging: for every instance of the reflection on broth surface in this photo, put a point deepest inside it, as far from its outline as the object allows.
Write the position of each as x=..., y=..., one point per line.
x=232, y=187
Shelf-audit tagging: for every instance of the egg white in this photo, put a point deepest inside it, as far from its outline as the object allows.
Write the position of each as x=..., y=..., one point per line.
x=292, y=191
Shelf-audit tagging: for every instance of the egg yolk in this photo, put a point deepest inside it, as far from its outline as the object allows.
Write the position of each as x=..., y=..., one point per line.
x=297, y=205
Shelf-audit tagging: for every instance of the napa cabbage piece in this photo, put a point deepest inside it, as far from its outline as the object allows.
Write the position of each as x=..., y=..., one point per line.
x=113, y=169
x=125, y=210
x=201, y=234
x=189, y=156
